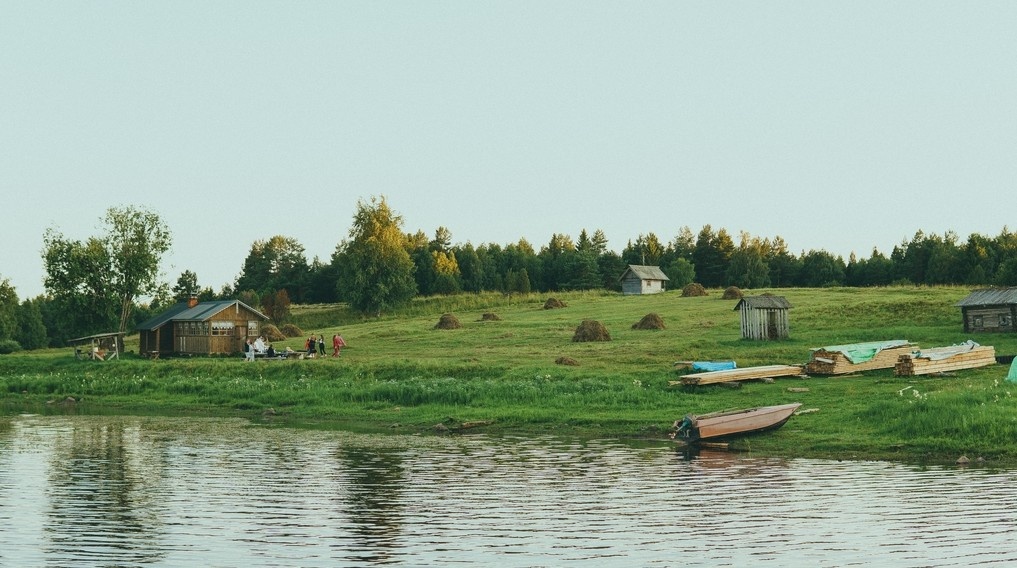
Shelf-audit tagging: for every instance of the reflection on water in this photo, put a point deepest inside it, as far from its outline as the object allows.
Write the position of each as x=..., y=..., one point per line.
x=175, y=492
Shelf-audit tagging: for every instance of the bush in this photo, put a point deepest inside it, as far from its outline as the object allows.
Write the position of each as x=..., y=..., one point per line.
x=591, y=330
x=291, y=330
x=8, y=346
x=732, y=293
x=649, y=321
x=694, y=289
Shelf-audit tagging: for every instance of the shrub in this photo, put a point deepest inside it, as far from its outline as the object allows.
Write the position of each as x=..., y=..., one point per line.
x=8, y=346
x=591, y=330
x=448, y=321
x=732, y=293
x=694, y=289
x=649, y=321
x=291, y=330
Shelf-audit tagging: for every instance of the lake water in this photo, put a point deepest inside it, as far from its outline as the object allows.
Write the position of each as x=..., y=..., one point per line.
x=126, y=491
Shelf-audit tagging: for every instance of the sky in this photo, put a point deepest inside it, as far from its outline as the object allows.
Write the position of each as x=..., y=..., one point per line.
x=841, y=126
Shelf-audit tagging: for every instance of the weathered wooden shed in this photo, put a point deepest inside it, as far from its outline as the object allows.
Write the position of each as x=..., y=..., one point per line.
x=640, y=279
x=764, y=317
x=991, y=309
x=205, y=328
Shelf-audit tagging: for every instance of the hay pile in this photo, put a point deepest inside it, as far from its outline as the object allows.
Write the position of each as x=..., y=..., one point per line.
x=591, y=330
x=290, y=330
x=732, y=293
x=490, y=317
x=448, y=321
x=694, y=289
x=272, y=333
x=554, y=304
x=567, y=361
x=649, y=321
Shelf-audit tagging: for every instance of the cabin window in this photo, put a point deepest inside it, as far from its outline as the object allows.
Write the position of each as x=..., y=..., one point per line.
x=222, y=328
x=252, y=328
x=976, y=321
x=1004, y=321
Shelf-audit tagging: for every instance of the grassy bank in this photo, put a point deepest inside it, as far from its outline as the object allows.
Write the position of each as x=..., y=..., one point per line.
x=401, y=374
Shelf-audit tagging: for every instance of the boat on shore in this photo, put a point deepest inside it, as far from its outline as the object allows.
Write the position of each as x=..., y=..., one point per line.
x=732, y=423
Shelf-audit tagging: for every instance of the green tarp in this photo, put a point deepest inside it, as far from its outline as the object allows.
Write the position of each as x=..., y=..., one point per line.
x=1012, y=375
x=862, y=352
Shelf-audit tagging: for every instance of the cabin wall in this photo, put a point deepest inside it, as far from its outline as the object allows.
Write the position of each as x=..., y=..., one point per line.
x=990, y=319
x=632, y=285
x=764, y=324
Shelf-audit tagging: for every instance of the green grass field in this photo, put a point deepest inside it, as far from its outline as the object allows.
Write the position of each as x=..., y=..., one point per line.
x=400, y=374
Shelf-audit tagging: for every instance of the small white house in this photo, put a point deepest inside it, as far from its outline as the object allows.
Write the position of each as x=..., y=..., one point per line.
x=639, y=279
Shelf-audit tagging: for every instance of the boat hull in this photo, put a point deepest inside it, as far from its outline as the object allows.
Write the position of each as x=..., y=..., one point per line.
x=733, y=423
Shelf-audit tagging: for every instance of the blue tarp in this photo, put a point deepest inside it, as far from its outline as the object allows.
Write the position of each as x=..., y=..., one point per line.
x=713, y=365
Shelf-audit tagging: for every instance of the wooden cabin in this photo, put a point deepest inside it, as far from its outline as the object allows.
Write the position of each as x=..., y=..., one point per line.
x=205, y=328
x=764, y=317
x=640, y=279
x=993, y=309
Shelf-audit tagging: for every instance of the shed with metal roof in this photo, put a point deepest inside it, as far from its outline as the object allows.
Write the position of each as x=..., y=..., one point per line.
x=205, y=328
x=990, y=309
x=764, y=317
x=642, y=279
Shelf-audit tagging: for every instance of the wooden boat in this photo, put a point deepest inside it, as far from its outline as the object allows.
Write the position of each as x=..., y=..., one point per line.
x=732, y=423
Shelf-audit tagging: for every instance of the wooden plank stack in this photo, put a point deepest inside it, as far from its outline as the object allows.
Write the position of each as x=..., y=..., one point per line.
x=825, y=362
x=743, y=374
x=943, y=359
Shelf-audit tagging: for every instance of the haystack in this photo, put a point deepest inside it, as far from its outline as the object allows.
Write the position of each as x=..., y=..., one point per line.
x=291, y=330
x=591, y=330
x=490, y=317
x=554, y=304
x=448, y=321
x=732, y=293
x=272, y=333
x=649, y=321
x=567, y=361
x=694, y=289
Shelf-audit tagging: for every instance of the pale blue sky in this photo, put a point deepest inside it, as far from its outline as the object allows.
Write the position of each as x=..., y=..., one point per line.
x=836, y=125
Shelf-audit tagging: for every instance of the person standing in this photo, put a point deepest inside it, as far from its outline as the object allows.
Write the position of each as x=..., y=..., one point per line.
x=248, y=351
x=337, y=344
x=310, y=346
x=321, y=344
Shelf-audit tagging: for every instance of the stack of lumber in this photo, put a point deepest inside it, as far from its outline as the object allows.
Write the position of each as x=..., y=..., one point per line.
x=943, y=359
x=743, y=374
x=844, y=359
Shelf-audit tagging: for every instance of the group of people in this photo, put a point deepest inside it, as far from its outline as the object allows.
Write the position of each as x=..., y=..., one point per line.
x=259, y=345
x=313, y=345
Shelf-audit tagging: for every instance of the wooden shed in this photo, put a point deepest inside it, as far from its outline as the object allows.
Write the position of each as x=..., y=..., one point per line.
x=640, y=279
x=764, y=317
x=206, y=328
x=992, y=309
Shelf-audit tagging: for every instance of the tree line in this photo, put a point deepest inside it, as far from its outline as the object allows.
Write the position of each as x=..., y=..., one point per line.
x=94, y=286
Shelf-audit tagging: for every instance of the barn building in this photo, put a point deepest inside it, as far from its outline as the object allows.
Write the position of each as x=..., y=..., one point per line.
x=205, y=328
x=764, y=317
x=993, y=309
x=640, y=279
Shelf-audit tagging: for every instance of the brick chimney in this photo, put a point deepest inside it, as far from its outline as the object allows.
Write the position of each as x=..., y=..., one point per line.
x=192, y=301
